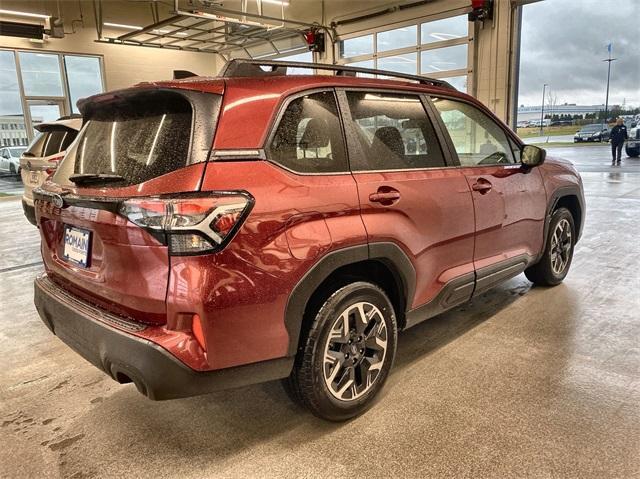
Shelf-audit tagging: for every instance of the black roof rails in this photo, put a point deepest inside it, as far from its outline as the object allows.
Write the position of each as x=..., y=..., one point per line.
x=242, y=67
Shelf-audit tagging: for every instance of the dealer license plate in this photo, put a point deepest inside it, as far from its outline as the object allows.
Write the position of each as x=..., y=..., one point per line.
x=77, y=243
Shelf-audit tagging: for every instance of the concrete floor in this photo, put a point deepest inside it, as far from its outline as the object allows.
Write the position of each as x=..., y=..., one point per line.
x=521, y=382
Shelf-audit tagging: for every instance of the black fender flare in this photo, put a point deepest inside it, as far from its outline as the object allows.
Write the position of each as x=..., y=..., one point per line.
x=554, y=198
x=387, y=253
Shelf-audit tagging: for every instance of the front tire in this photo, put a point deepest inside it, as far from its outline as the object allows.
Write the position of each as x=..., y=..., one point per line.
x=347, y=353
x=558, y=253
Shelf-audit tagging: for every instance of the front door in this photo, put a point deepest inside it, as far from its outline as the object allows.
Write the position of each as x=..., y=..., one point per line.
x=409, y=197
x=509, y=199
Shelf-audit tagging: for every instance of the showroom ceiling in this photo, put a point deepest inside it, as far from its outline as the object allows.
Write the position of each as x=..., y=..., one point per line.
x=212, y=28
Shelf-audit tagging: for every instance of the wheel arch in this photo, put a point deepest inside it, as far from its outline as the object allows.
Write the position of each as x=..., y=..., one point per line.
x=571, y=198
x=384, y=264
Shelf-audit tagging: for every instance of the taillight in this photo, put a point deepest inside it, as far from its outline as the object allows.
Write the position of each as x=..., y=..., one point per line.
x=54, y=164
x=194, y=225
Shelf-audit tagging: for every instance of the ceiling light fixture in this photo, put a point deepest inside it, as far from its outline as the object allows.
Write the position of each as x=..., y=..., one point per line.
x=24, y=14
x=122, y=25
x=284, y=3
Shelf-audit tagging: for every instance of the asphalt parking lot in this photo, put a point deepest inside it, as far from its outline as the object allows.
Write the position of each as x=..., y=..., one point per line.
x=521, y=381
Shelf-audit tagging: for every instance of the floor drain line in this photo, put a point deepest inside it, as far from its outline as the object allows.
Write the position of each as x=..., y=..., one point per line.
x=22, y=266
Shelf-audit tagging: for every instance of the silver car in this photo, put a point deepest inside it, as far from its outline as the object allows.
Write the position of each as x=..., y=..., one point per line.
x=43, y=155
x=10, y=159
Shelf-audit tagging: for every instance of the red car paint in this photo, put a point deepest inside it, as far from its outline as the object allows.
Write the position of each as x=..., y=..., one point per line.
x=241, y=293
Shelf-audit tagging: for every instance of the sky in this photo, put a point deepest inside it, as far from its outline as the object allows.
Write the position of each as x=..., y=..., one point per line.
x=564, y=43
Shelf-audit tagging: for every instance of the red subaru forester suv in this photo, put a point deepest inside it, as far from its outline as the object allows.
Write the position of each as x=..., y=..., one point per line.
x=208, y=233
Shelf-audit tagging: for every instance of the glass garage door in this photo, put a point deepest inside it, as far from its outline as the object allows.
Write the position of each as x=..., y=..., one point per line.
x=439, y=48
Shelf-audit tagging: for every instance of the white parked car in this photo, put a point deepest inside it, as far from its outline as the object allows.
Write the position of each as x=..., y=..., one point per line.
x=10, y=159
x=43, y=155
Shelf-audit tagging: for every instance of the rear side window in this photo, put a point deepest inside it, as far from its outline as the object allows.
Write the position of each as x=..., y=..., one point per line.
x=138, y=137
x=393, y=132
x=37, y=145
x=308, y=138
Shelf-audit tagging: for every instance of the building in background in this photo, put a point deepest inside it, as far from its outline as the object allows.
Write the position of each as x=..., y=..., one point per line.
x=529, y=113
x=13, y=131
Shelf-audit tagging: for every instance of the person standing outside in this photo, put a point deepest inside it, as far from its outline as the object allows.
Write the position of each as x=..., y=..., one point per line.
x=618, y=136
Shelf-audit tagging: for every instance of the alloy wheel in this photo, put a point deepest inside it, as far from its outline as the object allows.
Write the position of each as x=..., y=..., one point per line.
x=561, y=247
x=355, y=351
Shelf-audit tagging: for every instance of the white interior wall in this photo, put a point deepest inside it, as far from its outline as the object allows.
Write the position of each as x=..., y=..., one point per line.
x=123, y=65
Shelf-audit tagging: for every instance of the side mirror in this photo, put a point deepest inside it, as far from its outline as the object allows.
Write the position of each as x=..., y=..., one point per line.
x=533, y=156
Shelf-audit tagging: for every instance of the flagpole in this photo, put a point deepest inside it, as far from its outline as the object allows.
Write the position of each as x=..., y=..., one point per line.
x=606, y=105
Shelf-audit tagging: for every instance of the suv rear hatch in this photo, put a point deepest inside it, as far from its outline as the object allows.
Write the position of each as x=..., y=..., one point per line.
x=42, y=155
x=98, y=215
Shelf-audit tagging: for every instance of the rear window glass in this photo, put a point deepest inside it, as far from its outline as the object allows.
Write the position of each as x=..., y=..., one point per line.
x=138, y=137
x=51, y=142
x=57, y=141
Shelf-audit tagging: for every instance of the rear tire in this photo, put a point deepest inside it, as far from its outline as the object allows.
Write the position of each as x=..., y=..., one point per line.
x=558, y=252
x=347, y=353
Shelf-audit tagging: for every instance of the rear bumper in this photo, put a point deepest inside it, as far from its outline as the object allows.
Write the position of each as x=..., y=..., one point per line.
x=101, y=339
x=29, y=212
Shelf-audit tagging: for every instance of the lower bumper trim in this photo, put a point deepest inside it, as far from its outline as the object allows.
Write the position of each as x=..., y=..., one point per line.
x=127, y=358
x=29, y=212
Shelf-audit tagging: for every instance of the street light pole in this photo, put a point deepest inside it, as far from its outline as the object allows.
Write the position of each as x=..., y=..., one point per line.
x=606, y=105
x=544, y=87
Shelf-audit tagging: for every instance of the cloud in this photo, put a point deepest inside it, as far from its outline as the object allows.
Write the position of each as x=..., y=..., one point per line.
x=564, y=43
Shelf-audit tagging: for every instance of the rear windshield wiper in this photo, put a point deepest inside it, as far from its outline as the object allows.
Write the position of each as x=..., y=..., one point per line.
x=87, y=178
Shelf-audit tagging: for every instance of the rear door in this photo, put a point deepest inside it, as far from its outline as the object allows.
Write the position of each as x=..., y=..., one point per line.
x=509, y=199
x=106, y=243
x=409, y=195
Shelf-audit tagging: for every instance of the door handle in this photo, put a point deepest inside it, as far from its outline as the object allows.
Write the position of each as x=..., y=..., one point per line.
x=482, y=186
x=385, y=196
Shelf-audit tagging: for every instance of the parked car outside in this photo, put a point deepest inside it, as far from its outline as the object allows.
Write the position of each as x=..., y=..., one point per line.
x=595, y=132
x=208, y=233
x=10, y=159
x=632, y=146
x=42, y=156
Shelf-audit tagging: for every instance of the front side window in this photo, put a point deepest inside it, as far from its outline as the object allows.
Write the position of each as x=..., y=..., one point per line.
x=392, y=131
x=309, y=137
x=478, y=140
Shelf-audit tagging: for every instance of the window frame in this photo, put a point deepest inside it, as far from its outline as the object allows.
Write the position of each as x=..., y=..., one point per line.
x=65, y=99
x=511, y=138
x=351, y=137
x=282, y=108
